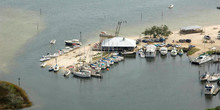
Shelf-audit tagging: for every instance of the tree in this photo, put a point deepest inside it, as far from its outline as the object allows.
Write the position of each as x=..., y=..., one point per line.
x=157, y=31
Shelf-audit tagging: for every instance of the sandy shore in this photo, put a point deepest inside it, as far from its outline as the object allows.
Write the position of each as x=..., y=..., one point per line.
x=17, y=26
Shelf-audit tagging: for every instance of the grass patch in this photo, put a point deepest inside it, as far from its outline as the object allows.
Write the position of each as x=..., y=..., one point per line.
x=216, y=108
x=13, y=97
x=192, y=51
x=99, y=55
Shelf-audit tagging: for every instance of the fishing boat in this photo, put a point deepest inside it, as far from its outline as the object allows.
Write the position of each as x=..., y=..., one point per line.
x=180, y=52
x=53, y=41
x=150, y=51
x=170, y=6
x=209, y=88
x=163, y=51
x=173, y=52
x=202, y=59
x=43, y=64
x=72, y=42
x=56, y=68
x=83, y=74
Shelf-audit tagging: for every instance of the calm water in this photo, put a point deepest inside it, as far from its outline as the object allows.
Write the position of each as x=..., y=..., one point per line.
x=164, y=83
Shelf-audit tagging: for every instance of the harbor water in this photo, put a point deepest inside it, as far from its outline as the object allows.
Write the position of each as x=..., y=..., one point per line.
x=168, y=83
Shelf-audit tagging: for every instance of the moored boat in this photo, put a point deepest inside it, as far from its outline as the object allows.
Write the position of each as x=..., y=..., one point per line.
x=163, y=51
x=150, y=51
x=209, y=88
x=173, y=52
x=202, y=59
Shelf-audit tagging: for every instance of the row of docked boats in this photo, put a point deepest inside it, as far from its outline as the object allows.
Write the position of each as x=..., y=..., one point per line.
x=149, y=51
x=70, y=45
x=210, y=88
x=95, y=68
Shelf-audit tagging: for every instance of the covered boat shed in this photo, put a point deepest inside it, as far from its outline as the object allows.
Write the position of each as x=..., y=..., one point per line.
x=118, y=44
x=191, y=29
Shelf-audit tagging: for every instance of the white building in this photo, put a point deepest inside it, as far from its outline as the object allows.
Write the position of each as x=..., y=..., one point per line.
x=118, y=44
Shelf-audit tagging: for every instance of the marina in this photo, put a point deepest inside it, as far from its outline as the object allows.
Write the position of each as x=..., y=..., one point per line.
x=96, y=55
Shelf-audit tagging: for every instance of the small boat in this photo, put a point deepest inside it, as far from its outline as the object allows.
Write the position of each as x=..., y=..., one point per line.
x=150, y=51
x=105, y=34
x=53, y=41
x=204, y=77
x=43, y=64
x=51, y=68
x=218, y=7
x=170, y=6
x=202, y=59
x=180, y=52
x=83, y=74
x=142, y=54
x=209, y=88
x=44, y=59
x=213, y=77
x=67, y=73
x=163, y=51
x=173, y=52
x=72, y=42
x=56, y=68
x=127, y=53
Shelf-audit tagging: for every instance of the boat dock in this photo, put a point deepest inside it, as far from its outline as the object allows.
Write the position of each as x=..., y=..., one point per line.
x=215, y=92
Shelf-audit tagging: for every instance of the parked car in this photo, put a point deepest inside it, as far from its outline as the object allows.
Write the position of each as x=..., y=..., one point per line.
x=191, y=46
x=182, y=40
x=218, y=37
x=188, y=40
x=145, y=40
x=162, y=39
x=207, y=37
x=169, y=45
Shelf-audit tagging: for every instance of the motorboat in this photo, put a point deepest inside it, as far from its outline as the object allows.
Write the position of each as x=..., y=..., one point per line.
x=170, y=6
x=53, y=41
x=202, y=59
x=209, y=88
x=43, y=64
x=213, y=77
x=67, y=73
x=150, y=51
x=56, y=68
x=44, y=59
x=83, y=74
x=142, y=54
x=204, y=77
x=51, y=68
x=105, y=34
x=72, y=42
x=128, y=53
x=173, y=52
x=163, y=51
x=180, y=52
